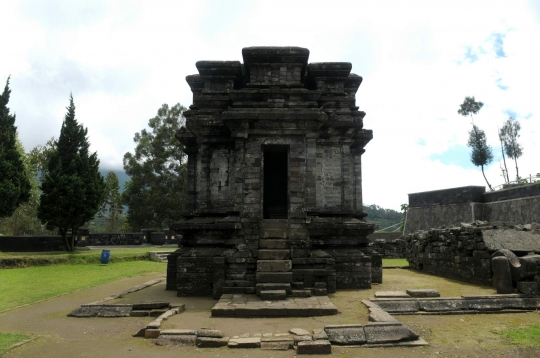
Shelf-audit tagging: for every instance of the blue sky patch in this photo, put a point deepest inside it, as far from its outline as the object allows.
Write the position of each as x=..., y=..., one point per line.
x=470, y=55
x=499, y=84
x=510, y=113
x=460, y=155
x=498, y=44
x=421, y=142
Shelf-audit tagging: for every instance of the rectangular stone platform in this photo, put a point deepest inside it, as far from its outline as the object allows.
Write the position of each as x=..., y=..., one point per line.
x=246, y=305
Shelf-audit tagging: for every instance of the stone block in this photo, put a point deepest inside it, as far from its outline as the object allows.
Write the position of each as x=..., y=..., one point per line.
x=423, y=292
x=212, y=333
x=150, y=305
x=273, y=244
x=299, y=331
x=502, y=277
x=176, y=340
x=274, y=277
x=346, y=334
x=274, y=254
x=528, y=287
x=222, y=311
x=254, y=342
x=211, y=342
x=302, y=338
x=319, y=334
x=273, y=286
x=272, y=311
x=151, y=333
x=274, y=265
x=301, y=293
x=139, y=313
x=385, y=332
x=398, y=305
x=391, y=294
x=273, y=295
x=314, y=347
x=158, y=312
x=298, y=311
x=178, y=332
x=380, y=315
x=443, y=304
x=247, y=311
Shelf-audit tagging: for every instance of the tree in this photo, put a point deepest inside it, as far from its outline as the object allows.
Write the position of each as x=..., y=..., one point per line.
x=505, y=170
x=510, y=135
x=470, y=107
x=15, y=184
x=156, y=192
x=481, y=153
x=72, y=188
x=404, y=209
x=111, y=208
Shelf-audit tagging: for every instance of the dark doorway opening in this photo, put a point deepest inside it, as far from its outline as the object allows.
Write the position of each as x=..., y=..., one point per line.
x=275, y=200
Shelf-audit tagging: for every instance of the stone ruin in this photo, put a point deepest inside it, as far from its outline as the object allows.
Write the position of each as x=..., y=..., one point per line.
x=274, y=203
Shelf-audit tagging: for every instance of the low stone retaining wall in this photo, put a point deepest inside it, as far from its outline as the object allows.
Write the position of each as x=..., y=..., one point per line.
x=31, y=243
x=465, y=252
x=389, y=245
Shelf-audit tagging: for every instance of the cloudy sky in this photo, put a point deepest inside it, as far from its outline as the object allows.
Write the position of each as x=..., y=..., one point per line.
x=419, y=59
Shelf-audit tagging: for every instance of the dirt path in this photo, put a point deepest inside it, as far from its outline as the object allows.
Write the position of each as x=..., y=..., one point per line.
x=62, y=336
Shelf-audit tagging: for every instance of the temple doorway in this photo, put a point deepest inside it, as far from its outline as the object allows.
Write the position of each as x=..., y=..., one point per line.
x=276, y=200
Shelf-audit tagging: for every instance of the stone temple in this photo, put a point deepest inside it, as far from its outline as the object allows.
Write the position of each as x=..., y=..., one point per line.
x=274, y=202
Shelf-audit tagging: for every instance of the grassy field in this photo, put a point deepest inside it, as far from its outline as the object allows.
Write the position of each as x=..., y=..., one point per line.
x=523, y=336
x=8, y=339
x=395, y=262
x=28, y=259
x=32, y=284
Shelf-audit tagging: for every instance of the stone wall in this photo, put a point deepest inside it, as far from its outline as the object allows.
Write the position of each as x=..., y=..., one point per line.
x=31, y=243
x=389, y=245
x=464, y=252
x=450, y=207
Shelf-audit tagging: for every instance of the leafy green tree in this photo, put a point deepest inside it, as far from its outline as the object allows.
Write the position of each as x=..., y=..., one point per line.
x=470, y=107
x=510, y=135
x=111, y=208
x=481, y=152
x=505, y=170
x=156, y=192
x=404, y=209
x=72, y=189
x=15, y=184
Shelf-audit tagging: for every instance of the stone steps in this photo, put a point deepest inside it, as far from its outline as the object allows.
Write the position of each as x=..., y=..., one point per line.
x=159, y=256
x=273, y=286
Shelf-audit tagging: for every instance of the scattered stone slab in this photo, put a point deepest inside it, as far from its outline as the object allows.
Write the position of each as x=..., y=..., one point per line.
x=299, y=331
x=139, y=313
x=385, y=332
x=443, y=304
x=253, y=342
x=528, y=287
x=176, y=340
x=398, y=305
x=420, y=342
x=139, y=333
x=102, y=311
x=277, y=343
x=379, y=315
x=157, y=312
x=346, y=334
x=314, y=347
x=391, y=294
x=207, y=332
x=151, y=333
x=302, y=339
x=319, y=334
x=272, y=295
x=211, y=342
x=179, y=332
x=423, y=292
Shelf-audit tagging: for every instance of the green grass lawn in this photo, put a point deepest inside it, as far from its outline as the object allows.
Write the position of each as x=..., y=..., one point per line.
x=395, y=262
x=27, y=259
x=9, y=339
x=524, y=337
x=32, y=284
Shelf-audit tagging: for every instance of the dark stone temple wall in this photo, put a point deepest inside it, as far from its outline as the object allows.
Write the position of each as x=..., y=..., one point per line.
x=279, y=124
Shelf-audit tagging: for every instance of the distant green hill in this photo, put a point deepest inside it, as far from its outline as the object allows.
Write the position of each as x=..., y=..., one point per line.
x=383, y=217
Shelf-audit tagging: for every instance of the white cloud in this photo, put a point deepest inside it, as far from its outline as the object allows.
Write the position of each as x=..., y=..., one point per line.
x=123, y=59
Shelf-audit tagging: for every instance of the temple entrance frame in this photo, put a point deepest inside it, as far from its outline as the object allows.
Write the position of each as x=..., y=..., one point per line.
x=275, y=181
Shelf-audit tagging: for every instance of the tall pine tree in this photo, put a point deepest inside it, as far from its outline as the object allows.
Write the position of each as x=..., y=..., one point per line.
x=72, y=190
x=14, y=181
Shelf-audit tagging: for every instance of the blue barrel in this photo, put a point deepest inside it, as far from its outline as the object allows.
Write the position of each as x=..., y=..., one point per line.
x=105, y=256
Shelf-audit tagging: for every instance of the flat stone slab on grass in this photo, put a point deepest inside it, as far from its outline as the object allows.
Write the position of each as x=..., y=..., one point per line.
x=443, y=304
x=314, y=347
x=211, y=342
x=150, y=305
x=346, y=334
x=176, y=340
x=102, y=311
x=391, y=294
x=319, y=334
x=423, y=292
x=398, y=305
x=299, y=331
x=248, y=305
x=179, y=332
x=385, y=332
x=254, y=342
x=277, y=343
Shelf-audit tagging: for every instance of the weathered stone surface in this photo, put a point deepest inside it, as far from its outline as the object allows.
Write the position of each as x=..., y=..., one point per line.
x=176, y=340
x=211, y=342
x=274, y=265
x=139, y=313
x=179, y=332
x=139, y=333
x=383, y=332
x=302, y=338
x=398, y=305
x=150, y=305
x=314, y=347
x=151, y=333
x=274, y=254
x=379, y=315
x=319, y=334
x=346, y=334
x=502, y=277
x=254, y=342
x=391, y=294
x=512, y=240
x=528, y=287
x=274, y=277
x=102, y=311
x=299, y=331
x=443, y=304
x=273, y=295
x=423, y=292
x=207, y=332
x=273, y=286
